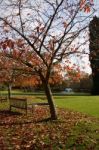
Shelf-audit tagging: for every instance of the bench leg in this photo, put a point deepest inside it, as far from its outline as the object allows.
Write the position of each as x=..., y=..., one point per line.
x=33, y=108
x=26, y=111
x=10, y=108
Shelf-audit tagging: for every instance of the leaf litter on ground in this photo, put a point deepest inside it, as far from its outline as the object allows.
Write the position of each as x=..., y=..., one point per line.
x=35, y=131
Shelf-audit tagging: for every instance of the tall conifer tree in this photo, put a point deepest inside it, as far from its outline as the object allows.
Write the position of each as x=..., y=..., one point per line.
x=94, y=53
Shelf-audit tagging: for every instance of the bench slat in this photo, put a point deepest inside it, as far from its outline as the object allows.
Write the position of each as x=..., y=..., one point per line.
x=18, y=103
x=3, y=99
x=22, y=103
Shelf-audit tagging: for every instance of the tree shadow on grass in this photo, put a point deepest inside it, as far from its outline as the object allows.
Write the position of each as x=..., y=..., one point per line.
x=7, y=113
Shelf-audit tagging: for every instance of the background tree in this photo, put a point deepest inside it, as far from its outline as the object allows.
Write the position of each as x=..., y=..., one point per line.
x=9, y=72
x=27, y=82
x=85, y=82
x=43, y=33
x=94, y=53
x=13, y=73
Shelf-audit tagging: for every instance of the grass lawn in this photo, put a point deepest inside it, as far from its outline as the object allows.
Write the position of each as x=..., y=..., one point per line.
x=84, y=104
x=34, y=131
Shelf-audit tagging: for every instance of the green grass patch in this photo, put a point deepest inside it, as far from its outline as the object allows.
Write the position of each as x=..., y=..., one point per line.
x=73, y=130
x=84, y=104
x=84, y=135
x=4, y=105
x=40, y=93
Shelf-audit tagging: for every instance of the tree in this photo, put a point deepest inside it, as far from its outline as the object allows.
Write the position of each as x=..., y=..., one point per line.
x=8, y=72
x=43, y=33
x=13, y=73
x=85, y=82
x=94, y=53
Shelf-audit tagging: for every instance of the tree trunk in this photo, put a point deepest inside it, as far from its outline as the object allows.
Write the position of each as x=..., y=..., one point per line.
x=95, y=88
x=9, y=91
x=50, y=101
x=94, y=53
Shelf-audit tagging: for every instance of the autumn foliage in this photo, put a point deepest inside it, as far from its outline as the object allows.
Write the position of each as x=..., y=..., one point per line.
x=43, y=36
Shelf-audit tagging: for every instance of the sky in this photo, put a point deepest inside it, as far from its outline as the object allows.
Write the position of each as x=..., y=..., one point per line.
x=85, y=61
x=96, y=6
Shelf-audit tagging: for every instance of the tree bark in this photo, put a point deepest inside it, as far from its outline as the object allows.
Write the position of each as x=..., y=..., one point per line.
x=49, y=96
x=94, y=53
x=95, y=88
x=9, y=91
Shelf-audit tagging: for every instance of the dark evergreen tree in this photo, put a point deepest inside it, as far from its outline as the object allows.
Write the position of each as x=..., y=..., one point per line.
x=94, y=53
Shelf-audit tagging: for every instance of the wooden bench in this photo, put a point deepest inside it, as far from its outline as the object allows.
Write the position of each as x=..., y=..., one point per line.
x=20, y=103
x=3, y=99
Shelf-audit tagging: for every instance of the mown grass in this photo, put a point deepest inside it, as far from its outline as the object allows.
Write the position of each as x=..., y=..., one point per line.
x=84, y=135
x=73, y=130
x=22, y=92
x=84, y=104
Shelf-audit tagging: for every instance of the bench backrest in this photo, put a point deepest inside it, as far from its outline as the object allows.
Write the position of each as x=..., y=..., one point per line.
x=3, y=97
x=18, y=103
